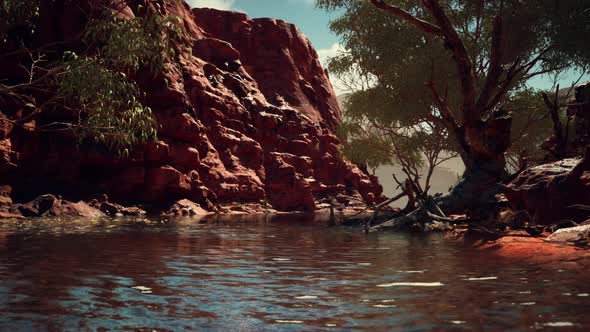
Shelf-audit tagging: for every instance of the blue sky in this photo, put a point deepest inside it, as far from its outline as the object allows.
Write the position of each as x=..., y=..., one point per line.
x=311, y=21
x=314, y=22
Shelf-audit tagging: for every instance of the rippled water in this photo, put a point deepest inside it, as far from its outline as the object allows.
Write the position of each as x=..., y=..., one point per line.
x=269, y=274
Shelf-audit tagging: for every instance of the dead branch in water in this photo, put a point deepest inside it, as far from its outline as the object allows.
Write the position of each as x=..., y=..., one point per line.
x=580, y=207
x=378, y=208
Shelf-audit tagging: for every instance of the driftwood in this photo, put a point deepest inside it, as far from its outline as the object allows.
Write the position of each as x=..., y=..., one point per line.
x=398, y=223
x=443, y=219
x=580, y=207
x=378, y=208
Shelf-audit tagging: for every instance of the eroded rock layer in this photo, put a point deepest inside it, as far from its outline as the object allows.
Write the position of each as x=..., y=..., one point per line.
x=553, y=192
x=246, y=114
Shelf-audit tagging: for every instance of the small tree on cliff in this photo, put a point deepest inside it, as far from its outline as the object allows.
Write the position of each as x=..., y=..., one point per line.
x=89, y=77
x=456, y=62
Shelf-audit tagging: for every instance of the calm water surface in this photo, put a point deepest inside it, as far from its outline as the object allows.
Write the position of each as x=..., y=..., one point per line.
x=269, y=274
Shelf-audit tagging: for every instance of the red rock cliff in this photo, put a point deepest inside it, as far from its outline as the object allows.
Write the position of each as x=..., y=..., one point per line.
x=249, y=116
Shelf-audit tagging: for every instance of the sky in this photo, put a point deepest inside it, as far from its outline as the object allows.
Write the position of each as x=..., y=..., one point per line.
x=314, y=23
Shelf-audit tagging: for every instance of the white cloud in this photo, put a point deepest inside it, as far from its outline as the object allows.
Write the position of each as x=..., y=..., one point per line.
x=217, y=4
x=325, y=54
x=307, y=2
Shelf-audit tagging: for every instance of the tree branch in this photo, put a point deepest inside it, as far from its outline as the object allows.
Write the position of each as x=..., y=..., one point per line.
x=495, y=68
x=510, y=75
x=447, y=116
x=453, y=42
x=422, y=25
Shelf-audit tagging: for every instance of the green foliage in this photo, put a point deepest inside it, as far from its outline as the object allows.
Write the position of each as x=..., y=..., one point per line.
x=18, y=19
x=400, y=61
x=108, y=102
x=373, y=138
x=97, y=85
x=133, y=43
x=393, y=55
x=567, y=26
x=363, y=147
x=531, y=126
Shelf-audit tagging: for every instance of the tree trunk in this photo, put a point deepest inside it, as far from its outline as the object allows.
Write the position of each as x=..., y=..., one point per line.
x=485, y=144
x=474, y=192
x=473, y=195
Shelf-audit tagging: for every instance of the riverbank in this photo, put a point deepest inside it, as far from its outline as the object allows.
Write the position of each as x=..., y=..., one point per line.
x=566, y=248
x=48, y=206
x=563, y=249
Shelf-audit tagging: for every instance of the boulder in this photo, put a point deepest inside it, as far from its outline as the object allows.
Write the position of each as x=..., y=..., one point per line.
x=39, y=206
x=113, y=209
x=570, y=234
x=5, y=200
x=552, y=192
x=51, y=206
x=185, y=207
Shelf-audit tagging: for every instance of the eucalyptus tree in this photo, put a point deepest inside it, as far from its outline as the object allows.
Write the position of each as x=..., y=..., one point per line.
x=456, y=63
x=373, y=138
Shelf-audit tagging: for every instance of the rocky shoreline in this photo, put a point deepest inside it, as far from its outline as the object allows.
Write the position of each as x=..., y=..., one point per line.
x=49, y=206
x=560, y=246
x=551, y=252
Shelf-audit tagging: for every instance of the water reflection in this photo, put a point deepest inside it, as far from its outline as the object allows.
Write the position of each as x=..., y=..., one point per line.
x=268, y=273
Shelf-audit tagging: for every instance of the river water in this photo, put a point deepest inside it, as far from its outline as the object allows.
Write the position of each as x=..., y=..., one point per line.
x=282, y=273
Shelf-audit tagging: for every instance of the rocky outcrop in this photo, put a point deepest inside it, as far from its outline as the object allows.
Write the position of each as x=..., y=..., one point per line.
x=184, y=207
x=247, y=115
x=553, y=192
x=578, y=235
x=51, y=206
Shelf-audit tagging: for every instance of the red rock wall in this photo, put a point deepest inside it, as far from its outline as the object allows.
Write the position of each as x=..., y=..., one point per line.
x=249, y=116
x=554, y=192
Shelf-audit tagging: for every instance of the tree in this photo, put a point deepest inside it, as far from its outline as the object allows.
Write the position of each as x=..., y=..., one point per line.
x=530, y=128
x=456, y=63
x=90, y=77
x=372, y=138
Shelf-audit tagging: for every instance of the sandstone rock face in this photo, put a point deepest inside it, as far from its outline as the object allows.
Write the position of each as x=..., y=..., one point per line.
x=553, y=192
x=247, y=115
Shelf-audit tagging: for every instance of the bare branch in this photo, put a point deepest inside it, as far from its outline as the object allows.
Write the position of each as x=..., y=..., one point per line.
x=422, y=25
x=447, y=116
x=464, y=65
x=495, y=68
